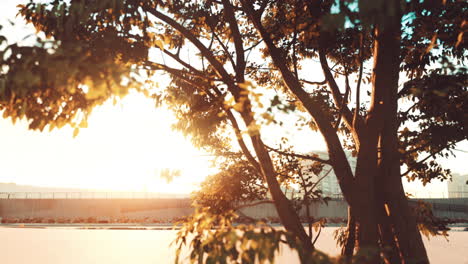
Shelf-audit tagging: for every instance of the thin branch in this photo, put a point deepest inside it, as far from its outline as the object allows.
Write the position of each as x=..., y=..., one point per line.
x=335, y=90
x=228, y=112
x=321, y=178
x=421, y=161
x=417, y=149
x=218, y=66
x=318, y=234
x=306, y=200
x=314, y=107
x=238, y=43
x=314, y=83
x=358, y=87
x=240, y=140
x=343, y=103
x=429, y=156
x=408, y=110
x=179, y=72
x=302, y=156
x=226, y=50
x=188, y=66
x=253, y=46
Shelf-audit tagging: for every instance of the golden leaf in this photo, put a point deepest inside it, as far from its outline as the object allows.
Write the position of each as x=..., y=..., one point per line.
x=159, y=44
x=75, y=132
x=84, y=123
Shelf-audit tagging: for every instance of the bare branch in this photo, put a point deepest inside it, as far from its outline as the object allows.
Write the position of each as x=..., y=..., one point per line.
x=343, y=103
x=253, y=46
x=188, y=66
x=240, y=140
x=302, y=156
x=314, y=83
x=335, y=149
x=218, y=66
x=225, y=48
x=335, y=90
x=358, y=87
x=317, y=236
x=238, y=43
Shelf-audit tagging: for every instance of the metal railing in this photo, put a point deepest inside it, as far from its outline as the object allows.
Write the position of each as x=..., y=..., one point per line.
x=150, y=195
x=457, y=194
x=87, y=195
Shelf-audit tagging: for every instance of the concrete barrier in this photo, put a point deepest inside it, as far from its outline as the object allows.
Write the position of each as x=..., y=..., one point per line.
x=164, y=209
x=168, y=209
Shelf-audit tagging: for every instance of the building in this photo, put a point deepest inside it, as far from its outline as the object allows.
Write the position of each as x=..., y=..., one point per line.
x=327, y=181
x=329, y=184
x=458, y=186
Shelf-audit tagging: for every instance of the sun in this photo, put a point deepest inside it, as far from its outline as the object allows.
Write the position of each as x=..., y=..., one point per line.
x=124, y=148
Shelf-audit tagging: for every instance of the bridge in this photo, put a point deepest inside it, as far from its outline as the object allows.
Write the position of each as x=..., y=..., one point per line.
x=156, y=207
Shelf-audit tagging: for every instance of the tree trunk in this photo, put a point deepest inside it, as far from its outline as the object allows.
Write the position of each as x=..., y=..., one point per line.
x=407, y=235
x=288, y=216
x=348, y=248
x=389, y=248
x=364, y=202
x=385, y=101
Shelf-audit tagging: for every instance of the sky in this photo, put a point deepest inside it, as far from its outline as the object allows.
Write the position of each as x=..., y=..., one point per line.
x=125, y=146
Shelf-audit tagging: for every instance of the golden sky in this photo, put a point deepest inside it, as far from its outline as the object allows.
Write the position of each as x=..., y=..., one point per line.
x=123, y=148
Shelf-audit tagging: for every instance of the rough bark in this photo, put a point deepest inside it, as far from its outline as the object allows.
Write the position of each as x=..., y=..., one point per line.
x=389, y=248
x=407, y=235
x=286, y=212
x=385, y=96
x=364, y=197
x=348, y=248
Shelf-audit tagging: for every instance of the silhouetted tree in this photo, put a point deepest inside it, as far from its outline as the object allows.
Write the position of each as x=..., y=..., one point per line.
x=227, y=59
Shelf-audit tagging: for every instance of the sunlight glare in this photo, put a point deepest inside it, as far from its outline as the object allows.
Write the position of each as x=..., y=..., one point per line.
x=123, y=149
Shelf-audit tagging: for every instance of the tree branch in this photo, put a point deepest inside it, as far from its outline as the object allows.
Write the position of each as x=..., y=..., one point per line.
x=343, y=103
x=240, y=140
x=199, y=73
x=314, y=83
x=302, y=156
x=337, y=97
x=358, y=87
x=238, y=43
x=337, y=155
x=429, y=156
x=204, y=50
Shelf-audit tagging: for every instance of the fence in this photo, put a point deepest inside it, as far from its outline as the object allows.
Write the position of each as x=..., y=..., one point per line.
x=149, y=195
x=85, y=195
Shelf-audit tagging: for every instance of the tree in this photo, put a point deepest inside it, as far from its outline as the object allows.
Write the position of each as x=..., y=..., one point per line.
x=252, y=53
x=238, y=183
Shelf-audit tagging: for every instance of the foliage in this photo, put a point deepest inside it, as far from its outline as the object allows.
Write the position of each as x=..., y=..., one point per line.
x=60, y=79
x=237, y=183
x=239, y=66
x=440, y=125
x=212, y=238
x=428, y=224
x=341, y=235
